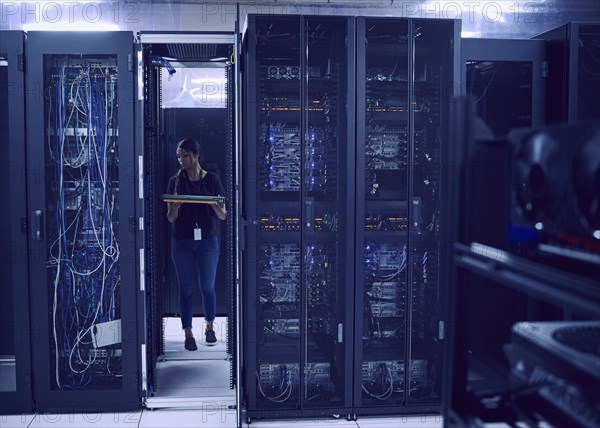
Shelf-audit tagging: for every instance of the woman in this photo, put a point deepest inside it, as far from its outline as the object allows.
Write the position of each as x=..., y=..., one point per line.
x=195, y=243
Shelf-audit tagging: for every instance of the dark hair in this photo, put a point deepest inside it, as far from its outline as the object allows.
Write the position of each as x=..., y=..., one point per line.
x=190, y=145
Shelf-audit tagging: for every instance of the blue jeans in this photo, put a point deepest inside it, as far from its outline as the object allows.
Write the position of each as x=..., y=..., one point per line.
x=196, y=264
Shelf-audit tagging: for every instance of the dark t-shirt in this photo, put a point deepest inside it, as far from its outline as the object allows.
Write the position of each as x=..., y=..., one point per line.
x=192, y=214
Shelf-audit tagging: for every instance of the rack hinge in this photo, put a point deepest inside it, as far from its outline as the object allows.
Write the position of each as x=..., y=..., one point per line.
x=144, y=369
x=141, y=176
x=129, y=62
x=24, y=224
x=21, y=62
x=142, y=271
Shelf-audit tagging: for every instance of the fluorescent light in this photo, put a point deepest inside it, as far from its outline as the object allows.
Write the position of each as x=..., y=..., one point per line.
x=59, y=3
x=70, y=26
x=470, y=34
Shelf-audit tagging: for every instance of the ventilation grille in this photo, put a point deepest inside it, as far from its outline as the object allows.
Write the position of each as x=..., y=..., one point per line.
x=192, y=50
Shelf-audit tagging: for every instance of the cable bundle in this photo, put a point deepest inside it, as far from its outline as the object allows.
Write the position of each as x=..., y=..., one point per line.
x=83, y=252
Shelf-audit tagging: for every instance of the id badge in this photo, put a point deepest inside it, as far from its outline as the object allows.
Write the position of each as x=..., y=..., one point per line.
x=197, y=234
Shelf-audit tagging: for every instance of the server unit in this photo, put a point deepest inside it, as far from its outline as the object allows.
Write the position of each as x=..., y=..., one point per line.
x=298, y=210
x=573, y=82
x=407, y=72
x=342, y=206
x=81, y=224
x=15, y=359
x=522, y=348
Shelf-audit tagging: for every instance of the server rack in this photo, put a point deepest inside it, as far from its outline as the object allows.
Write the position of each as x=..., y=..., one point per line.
x=297, y=210
x=161, y=54
x=573, y=83
x=525, y=314
x=408, y=70
x=15, y=359
x=507, y=80
x=388, y=210
x=81, y=221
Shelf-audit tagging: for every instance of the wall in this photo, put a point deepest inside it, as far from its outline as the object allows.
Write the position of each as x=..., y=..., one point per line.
x=495, y=19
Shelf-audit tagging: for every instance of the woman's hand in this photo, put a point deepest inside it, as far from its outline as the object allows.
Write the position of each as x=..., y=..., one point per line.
x=173, y=211
x=220, y=210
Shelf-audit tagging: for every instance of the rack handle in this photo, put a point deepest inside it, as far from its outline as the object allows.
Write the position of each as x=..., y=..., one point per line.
x=37, y=225
x=309, y=214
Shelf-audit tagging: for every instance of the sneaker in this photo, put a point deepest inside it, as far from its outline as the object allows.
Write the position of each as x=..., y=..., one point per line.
x=211, y=338
x=190, y=344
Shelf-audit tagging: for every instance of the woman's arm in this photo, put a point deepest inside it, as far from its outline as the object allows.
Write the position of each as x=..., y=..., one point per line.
x=173, y=211
x=220, y=210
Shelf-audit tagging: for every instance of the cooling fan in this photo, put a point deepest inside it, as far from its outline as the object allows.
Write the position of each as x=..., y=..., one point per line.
x=586, y=176
x=542, y=175
x=555, y=207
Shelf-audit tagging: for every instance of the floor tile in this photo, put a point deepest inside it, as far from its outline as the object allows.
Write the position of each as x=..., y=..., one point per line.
x=173, y=337
x=172, y=327
x=421, y=421
x=15, y=421
x=174, y=349
x=193, y=374
x=109, y=420
x=210, y=417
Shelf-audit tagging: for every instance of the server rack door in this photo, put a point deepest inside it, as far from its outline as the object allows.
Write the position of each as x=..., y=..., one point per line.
x=81, y=210
x=587, y=46
x=15, y=360
x=382, y=214
x=573, y=68
x=506, y=79
x=405, y=79
x=298, y=205
x=327, y=216
x=271, y=208
x=435, y=81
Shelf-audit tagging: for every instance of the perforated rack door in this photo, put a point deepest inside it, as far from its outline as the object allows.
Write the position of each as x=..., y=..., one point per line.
x=15, y=363
x=81, y=200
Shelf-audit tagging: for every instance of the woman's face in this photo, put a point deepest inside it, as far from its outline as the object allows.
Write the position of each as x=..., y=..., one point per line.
x=186, y=159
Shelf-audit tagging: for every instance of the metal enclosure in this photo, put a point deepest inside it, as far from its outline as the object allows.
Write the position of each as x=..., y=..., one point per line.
x=573, y=69
x=522, y=313
x=15, y=360
x=345, y=128
x=297, y=206
x=81, y=221
x=166, y=54
x=507, y=79
x=407, y=73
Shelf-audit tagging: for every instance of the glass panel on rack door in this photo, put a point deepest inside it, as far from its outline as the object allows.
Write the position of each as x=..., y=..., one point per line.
x=325, y=216
x=386, y=218
x=82, y=202
x=434, y=73
x=278, y=161
x=496, y=84
x=278, y=57
x=8, y=250
x=588, y=82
